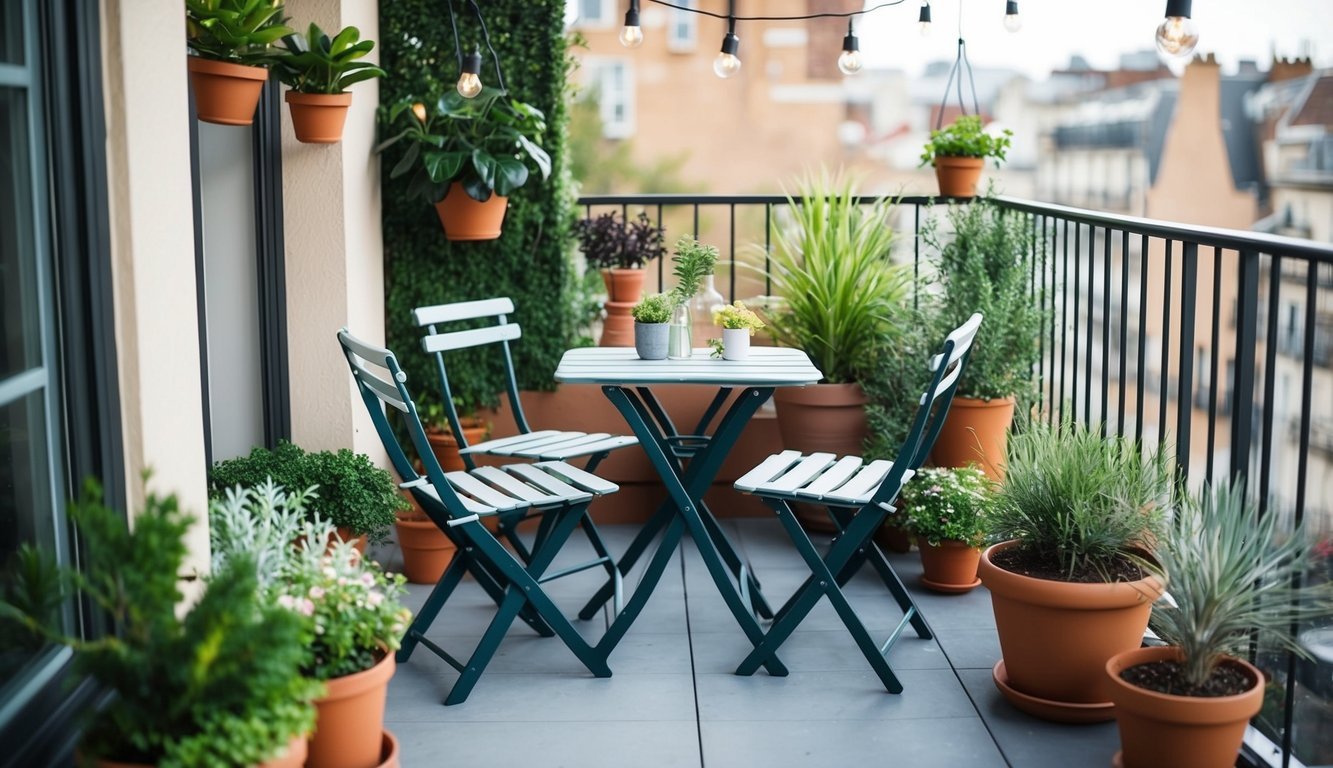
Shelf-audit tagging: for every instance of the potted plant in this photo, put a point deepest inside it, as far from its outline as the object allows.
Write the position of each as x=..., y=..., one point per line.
x=619, y=250
x=220, y=685
x=1071, y=582
x=947, y=510
x=986, y=267
x=466, y=156
x=231, y=46
x=319, y=70
x=958, y=153
x=693, y=262
x=738, y=324
x=359, y=497
x=443, y=442
x=1231, y=575
x=651, y=316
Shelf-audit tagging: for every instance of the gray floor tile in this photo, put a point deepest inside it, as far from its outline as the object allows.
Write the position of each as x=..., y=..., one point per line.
x=921, y=743
x=812, y=651
x=831, y=696
x=665, y=744
x=970, y=648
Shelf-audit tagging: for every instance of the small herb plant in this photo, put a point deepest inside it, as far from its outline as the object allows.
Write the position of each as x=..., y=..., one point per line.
x=236, y=31
x=718, y=348
x=965, y=137
x=258, y=525
x=317, y=63
x=737, y=317
x=655, y=309
x=944, y=504
x=694, y=261
x=609, y=243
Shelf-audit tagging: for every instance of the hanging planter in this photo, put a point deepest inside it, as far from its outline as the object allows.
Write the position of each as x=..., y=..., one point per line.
x=231, y=45
x=959, y=152
x=466, y=219
x=225, y=93
x=319, y=70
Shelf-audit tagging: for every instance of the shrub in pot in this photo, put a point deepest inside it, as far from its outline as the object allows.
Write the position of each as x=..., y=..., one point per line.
x=319, y=70
x=1071, y=583
x=947, y=510
x=1230, y=573
x=651, y=318
x=619, y=249
x=738, y=324
x=231, y=46
x=959, y=151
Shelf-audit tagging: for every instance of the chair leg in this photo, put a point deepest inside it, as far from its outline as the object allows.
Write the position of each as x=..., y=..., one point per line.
x=431, y=608
x=626, y=563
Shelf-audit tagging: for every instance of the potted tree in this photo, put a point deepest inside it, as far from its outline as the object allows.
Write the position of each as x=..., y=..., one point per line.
x=466, y=156
x=619, y=250
x=1231, y=575
x=958, y=153
x=651, y=318
x=947, y=510
x=694, y=261
x=319, y=70
x=231, y=47
x=738, y=324
x=985, y=267
x=1071, y=582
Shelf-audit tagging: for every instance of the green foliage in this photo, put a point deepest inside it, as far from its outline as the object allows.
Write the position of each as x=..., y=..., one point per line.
x=607, y=243
x=965, y=137
x=351, y=491
x=653, y=309
x=31, y=593
x=531, y=262
x=693, y=262
x=738, y=317
x=1079, y=499
x=317, y=64
x=488, y=144
x=258, y=525
x=986, y=267
x=898, y=378
x=1231, y=574
x=946, y=504
x=238, y=31
x=839, y=297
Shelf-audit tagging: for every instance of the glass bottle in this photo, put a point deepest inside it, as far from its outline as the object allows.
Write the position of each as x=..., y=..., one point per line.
x=678, y=333
x=702, y=306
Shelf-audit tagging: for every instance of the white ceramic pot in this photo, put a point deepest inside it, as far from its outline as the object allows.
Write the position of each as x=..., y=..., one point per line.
x=735, y=343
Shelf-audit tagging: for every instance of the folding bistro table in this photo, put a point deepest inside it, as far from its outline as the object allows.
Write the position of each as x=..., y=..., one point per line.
x=687, y=463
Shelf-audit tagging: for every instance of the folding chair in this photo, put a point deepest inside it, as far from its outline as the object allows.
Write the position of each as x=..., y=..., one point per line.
x=456, y=501
x=544, y=445
x=862, y=493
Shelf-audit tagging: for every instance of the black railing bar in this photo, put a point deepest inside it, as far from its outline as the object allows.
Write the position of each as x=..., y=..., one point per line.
x=696, y=219
x=1064, y=320
x=768, y=249
x=691, y=198
x=1041, y=334
x=1270, y=381
x=1124, y=330
x=1189, y=301
x=1215, y=351
x=1247, y=329
x=1092, y=326
x=1164, y=372
x=1106, y=326
x=661, y=265
x=1139, y=405
x=731, y=293
x=1078, y=300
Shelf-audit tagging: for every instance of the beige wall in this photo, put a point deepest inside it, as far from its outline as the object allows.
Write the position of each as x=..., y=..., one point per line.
x=152, y=231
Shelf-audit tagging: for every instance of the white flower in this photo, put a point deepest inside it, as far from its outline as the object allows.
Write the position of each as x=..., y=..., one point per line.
x=286, y=601
x=374, y=598
x=307, y=607
x=316, y=592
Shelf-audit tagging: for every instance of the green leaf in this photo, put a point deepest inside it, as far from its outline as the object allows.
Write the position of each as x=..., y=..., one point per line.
x=510, y=174
x=443, y=166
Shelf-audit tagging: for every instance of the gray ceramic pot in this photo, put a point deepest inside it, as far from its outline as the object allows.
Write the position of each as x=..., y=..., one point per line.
x=650, y=340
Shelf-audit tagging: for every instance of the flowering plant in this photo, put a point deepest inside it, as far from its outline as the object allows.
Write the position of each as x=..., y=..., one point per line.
x=737, y=317
x=945, y=504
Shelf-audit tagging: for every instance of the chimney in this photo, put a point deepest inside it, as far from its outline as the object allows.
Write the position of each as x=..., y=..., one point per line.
x=1288, y=69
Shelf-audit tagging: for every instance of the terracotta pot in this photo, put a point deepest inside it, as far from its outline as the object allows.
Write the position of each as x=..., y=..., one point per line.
x=318, y=118
x=950, y=568
x=466, y=219
x=821, y=417
x=358, y=542
x=426, y=550
x=958, y=176
x=225, y=93
x=293, y=757
x=618, y=327
x=349, y=724
x=1179, y=731
x=1056, y=636
x=624, y=285
x=446, y=447
x=975, y=432
x=389, y=752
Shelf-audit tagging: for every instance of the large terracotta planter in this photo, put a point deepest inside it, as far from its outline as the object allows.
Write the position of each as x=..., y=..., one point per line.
x=225, y=93
x=427, y=552
x=1180, y=731
x=975, y=432
x=821, y=417
x=466, y=219
x=624, y=285
x=349, y=726
x=318, y=118
x=618, y=326
x=446, y=448
x=1056, y=637
x=950, y=568
x=958, y=176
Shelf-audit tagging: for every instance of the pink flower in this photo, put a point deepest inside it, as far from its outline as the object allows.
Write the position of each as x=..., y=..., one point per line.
x=307, y=607
x=316, y=592
x=374, y=598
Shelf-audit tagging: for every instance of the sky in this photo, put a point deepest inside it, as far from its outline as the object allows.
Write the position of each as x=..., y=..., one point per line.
x=1098, y=30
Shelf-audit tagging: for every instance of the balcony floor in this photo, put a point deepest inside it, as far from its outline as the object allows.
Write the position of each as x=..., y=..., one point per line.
x=673, y=700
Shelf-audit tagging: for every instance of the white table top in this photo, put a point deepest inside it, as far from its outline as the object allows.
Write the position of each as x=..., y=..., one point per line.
x=765, y=367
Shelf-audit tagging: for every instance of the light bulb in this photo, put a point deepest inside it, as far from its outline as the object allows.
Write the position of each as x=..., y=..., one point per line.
x=850, y=62
x=631, y=35
x=469, y=82
x=727, y=64
x=924, y=19
x=1177, y=36
x=1012, y=21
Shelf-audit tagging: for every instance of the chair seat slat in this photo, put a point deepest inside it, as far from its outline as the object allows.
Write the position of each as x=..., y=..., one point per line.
x=501, y=442
x=863, y=484
x=799, y=474
x=514, y=486
x=570, y=443
x=472, y=506
x=768, y=469
x=471, y=486
x=528, y=447
x=578, y=477
x=548, y=482
x=834, y=476
x=584, y=449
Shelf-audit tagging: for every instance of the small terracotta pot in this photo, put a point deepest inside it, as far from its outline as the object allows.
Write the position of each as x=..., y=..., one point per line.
x=293, y=757
x=1179, y=731
x=624, y=285
x=618, y=327
x=389, y=752
x=1056, y=637
x=427, y=552
x=976, y=432
x=318, y=118
x=466, y=219
x=958, y=176
x=950, y=568
x=446, y=447
x=821, y=417
x=349, y=726
x=225, y=93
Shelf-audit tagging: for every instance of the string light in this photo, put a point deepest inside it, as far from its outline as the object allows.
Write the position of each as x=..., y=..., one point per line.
x=1177, y=34
x=469, y=82
x=631, y=35
x=850, y=60
x=923, y=19
x=728, y=64
x=1012, y=21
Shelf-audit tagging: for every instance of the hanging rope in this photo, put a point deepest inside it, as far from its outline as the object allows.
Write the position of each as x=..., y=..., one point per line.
x=960, y=63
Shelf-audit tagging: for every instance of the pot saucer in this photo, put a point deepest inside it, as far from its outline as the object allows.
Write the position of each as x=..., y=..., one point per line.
x=1046, y=709
x=949, y=589
x=1117, y=761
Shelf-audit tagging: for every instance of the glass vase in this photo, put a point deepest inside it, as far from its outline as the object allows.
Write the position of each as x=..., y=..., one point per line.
x=678, y=334
x=702, y=306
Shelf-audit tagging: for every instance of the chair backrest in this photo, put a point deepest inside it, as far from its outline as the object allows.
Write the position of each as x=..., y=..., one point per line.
x=382, y=391
x=933, y=406
x=439, y=339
